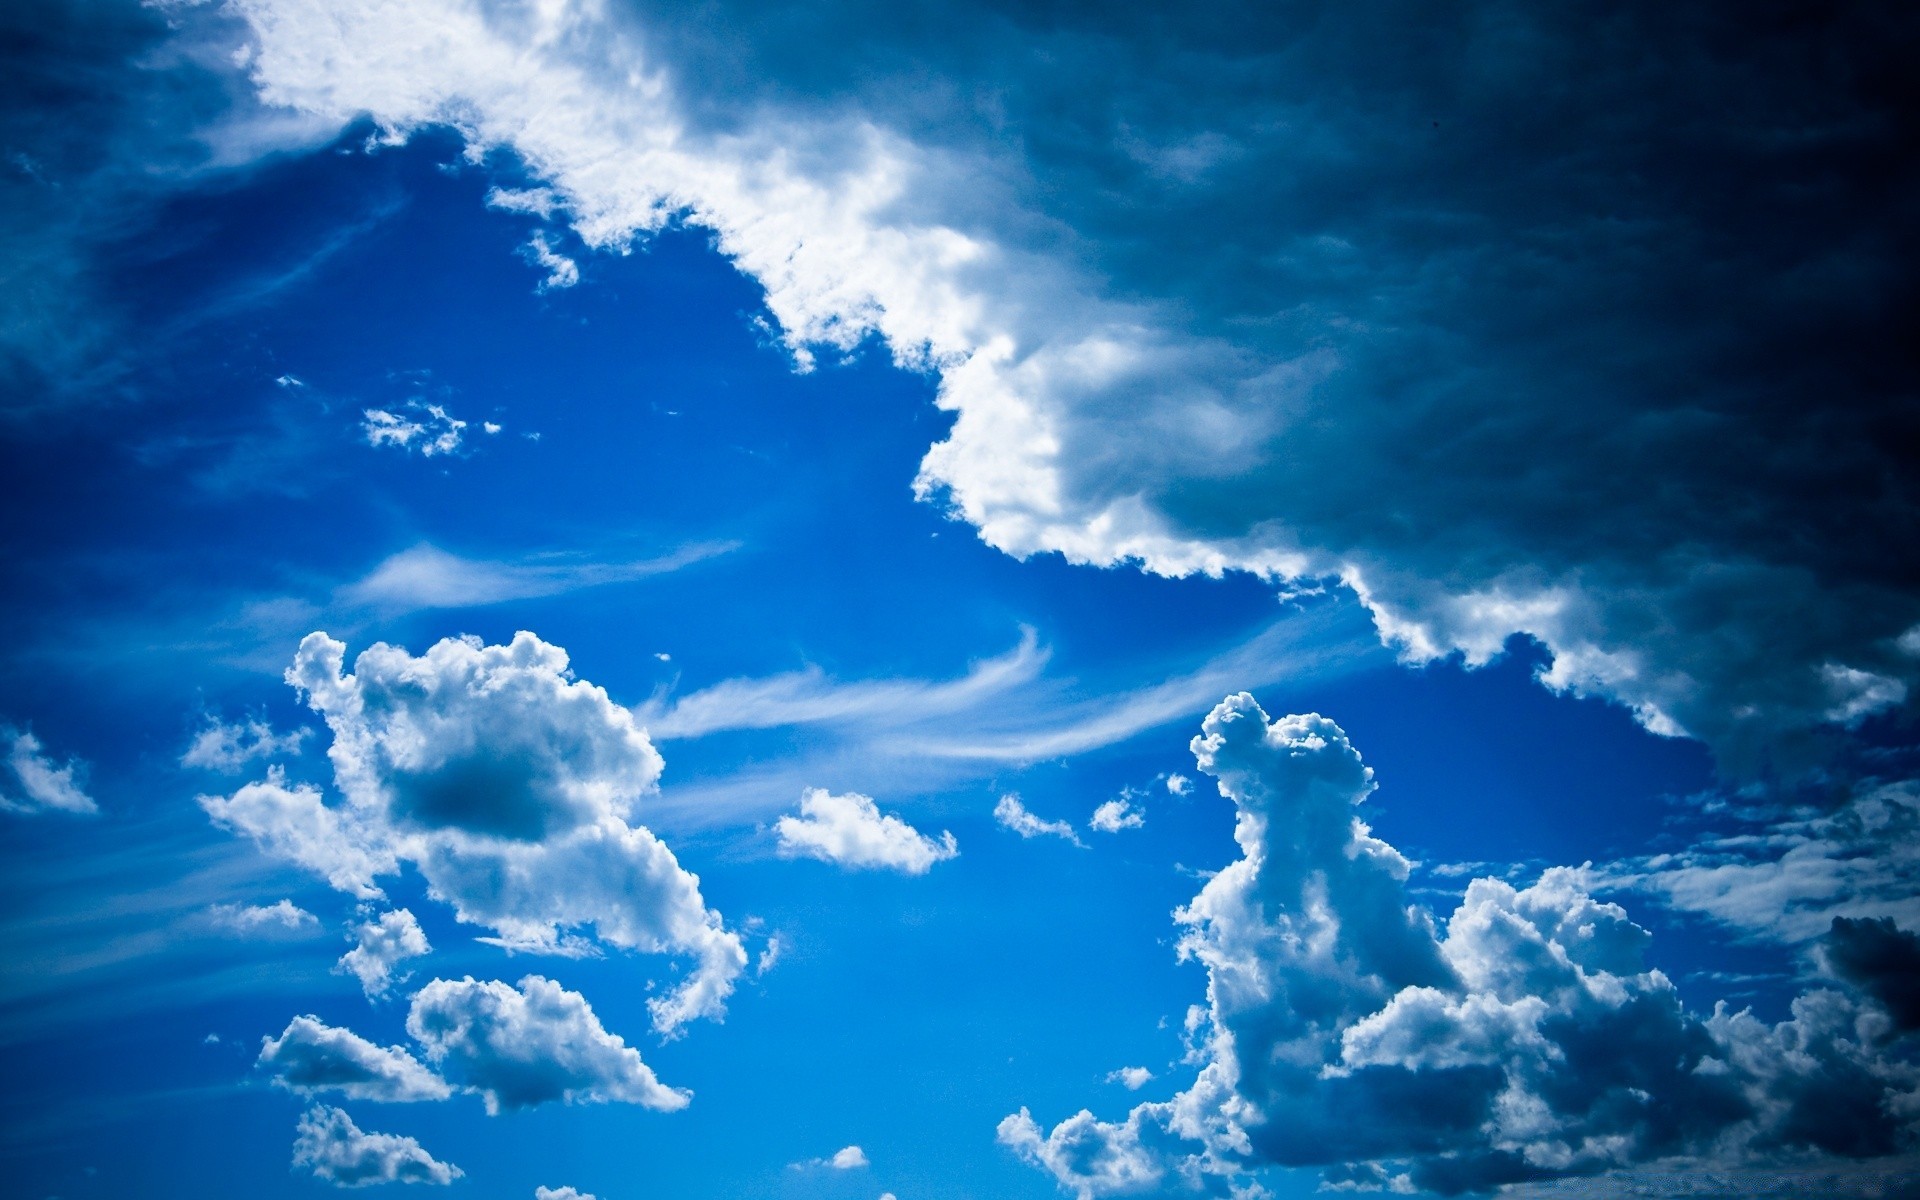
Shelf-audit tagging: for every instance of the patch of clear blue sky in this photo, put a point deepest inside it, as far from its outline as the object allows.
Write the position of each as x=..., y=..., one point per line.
x=171, y=542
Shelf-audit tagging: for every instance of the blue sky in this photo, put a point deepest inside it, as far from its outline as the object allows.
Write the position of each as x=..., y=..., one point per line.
x=956, y=601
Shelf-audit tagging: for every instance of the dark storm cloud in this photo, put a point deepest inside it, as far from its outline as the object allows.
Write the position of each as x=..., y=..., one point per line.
x=1882, y=960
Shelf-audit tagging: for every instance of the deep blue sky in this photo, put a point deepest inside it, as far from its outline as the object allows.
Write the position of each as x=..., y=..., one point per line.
x=1591, y=550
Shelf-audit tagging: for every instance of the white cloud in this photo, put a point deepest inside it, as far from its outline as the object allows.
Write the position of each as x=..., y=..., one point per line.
x=531, y=1045
x=427, y=429
x=851, y=830
x=426, y=576
x=1343, y=1030
x=311, y=1056
x=509, y=785
x=249, y=920
x=383, y=944
x=335, y=1150
x=223, y=747
x=1131, y=1078
x=1178, y=784
x=44, y=785
x=847, y=1158
x=1011, y=813
x=1115, y=405
x=1115, y=815
x=562, y=272
x=769, y=956
x=561, y=1193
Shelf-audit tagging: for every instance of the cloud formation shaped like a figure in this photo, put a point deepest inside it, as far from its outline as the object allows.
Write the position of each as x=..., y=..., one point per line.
x=338, y=1151
x=1470, y=322
x=852, y=831
x=1528, y=1041
x=537, y=1043
x=511, y=786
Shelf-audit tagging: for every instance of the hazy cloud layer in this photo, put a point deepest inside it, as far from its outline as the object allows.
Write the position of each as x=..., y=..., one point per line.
x=852, y=831
x=530, y=1044
x=1528, y=1041
x=1277, y=296
x=510, y=785
x=336, y=1150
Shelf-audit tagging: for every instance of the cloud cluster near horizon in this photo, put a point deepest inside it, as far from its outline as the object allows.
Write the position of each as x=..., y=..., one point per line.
x=1525, y=1040
x=1415, y=366
x=510, y=786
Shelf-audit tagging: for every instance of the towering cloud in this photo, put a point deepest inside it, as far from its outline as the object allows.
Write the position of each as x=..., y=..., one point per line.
x=1528, y=1041
x=1522, y=324
x=511, y=786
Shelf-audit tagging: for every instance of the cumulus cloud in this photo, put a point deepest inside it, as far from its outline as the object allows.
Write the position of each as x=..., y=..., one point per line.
x=337, y=1151
x=425, y=429
x=520, y=1047
x=1880, y=959
x=383, y=944
x=252, y=920
x=43, y=785
x=1347, y=387
x=1011, y=813
x=562, y=1193
x=1131, y=1078
x=220, y=746
x=847, y=1158
x=311, y=1056
x=1527, y=1041
x=1178, y=784
x=1115, y=815
x=511, y=786
x=851, y=830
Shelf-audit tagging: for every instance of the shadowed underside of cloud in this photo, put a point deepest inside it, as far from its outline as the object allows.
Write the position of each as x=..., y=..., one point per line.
x=1527, y=1042
x=1583, y=323
x=511, y=786
x=311, y=1056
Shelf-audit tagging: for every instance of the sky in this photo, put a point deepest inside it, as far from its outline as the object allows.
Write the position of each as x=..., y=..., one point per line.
x=932, y=601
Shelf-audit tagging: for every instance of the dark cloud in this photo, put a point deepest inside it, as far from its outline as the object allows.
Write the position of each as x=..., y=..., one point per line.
x=1882, y=960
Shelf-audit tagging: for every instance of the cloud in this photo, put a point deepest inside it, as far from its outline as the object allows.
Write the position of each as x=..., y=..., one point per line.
x=562, y=272
x=1178, y=784
x=223, y=747
x=509, y=785
x=429, y=430
x=44, y=786
x=1528, y=1042
x=1014, y=815
x=335, y=1150
x=395, y=937
x=524, y=1046
x=253, y=920
x=1880, y=959
x=847, y=1158
x=1131, y=1078
x=850, y=830
x=425, y=577
x=310, y=1056
x=563, y=1193
x=1115, y=815
x=1348, y=384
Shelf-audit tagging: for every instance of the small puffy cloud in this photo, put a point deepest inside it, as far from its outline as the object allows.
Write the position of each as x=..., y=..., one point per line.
x=337, y=1151
x=43, y=785
x=253, y=920
x=1527, y=1042
x=1178, y=784
x=537, y=202
x=424, y=429
x=220, y=746
x=310, y=1056
x=1131, y=1078
x=520, y=1047
x=847, y=1158
x=510, y=785
x=562, y=272
x=1115, y=815
x=851, y=830
x=1011, y=813
x=562, y=1193
x=382, y=944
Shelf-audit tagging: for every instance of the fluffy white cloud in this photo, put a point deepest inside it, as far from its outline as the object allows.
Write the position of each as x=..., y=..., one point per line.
x=852, y=831
x=383, y=944
x=531, y=1045
x=43, y=784
x=562, y=1193
x=220, y=746
x=562, y=272
x=510, y=785
x=1271, y=401
x=1115, y=815
x=311, y=1056
x=336, y=1150
x=847, y=1158
x=1178, y=784
x=426, y=429
x=1528, y=1042
x=1010, y=812
x=1131, y=1078
x=248, y=920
